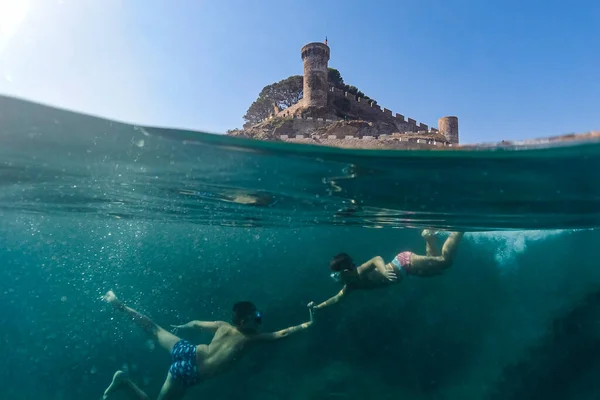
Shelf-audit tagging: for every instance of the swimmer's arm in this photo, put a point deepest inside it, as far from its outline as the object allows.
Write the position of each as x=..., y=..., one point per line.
x=374, y=263
x=210, y=326
x=266, y=337
x=378, y=264
x=333, y=300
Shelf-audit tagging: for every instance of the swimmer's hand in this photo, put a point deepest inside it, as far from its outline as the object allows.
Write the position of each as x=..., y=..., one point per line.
x=390, y=276
x=189, y=325
x=311, y=310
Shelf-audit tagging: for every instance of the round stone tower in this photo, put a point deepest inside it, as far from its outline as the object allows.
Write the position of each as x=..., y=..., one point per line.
x=315, y=57
x=448, y=126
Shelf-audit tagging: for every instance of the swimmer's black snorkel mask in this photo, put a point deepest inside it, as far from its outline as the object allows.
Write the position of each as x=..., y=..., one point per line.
x=252, y=322
x=340, y=264
x=336, y=276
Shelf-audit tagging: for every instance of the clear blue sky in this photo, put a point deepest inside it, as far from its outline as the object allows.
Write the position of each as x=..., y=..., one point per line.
x=508, y=69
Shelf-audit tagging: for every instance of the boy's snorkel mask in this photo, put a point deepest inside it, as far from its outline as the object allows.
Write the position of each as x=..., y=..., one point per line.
x=258, y=317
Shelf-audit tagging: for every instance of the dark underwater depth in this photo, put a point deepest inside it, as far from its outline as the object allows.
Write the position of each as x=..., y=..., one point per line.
x=182, y=224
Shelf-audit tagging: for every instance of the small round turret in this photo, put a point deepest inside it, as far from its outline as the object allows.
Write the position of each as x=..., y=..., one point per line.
x=448, y=126
x=315, y=57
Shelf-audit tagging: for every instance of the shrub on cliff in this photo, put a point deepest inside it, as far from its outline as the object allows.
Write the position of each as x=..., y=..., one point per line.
x=335, y=78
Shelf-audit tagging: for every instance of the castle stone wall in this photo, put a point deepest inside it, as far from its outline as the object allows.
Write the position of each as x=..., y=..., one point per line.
x=300, y=127
x=384, y=141
x=288, y=112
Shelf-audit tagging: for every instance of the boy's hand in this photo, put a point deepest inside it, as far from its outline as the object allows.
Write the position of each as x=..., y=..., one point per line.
x=184, y=326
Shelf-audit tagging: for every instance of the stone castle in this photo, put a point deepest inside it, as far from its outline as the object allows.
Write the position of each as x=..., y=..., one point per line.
x=327, y=115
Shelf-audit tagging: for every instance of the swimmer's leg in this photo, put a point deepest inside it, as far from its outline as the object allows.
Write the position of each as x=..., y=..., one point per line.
x=164, y=338
x=431, y=248
x=171, y=390
x=435, y=265
x=451, y=245
x=122, y=382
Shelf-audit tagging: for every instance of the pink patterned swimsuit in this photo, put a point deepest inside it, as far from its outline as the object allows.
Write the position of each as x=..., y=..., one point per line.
x=402, y=262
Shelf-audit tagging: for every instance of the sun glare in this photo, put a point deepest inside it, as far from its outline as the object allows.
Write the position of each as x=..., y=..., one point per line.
x=12, y=13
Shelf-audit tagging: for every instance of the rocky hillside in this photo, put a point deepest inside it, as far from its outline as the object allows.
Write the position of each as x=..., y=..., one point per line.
x=321, y=133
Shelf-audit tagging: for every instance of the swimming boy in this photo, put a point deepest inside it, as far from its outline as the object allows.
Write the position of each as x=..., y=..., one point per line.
x=194, y=364
x=375, y=273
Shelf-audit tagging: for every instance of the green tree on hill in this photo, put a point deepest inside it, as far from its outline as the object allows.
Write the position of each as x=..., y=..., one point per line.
x=282, y=94
x=288, y=92
x=335, y=78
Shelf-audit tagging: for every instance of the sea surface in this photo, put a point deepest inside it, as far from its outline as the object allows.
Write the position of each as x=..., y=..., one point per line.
x=182, y=224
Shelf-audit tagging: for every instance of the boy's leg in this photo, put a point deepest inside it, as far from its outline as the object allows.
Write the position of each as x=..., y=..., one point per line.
x=164, y=338
x=121, y=381
x=171, y=390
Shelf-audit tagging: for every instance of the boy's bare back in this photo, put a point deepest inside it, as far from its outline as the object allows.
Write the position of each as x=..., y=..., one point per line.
x=227, y=346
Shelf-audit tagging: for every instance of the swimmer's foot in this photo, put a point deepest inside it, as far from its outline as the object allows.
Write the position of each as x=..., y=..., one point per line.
x=427, y=233
x=110, y=297
x=118, y=378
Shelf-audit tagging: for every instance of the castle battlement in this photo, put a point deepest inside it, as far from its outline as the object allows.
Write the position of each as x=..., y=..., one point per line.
x=372, y=108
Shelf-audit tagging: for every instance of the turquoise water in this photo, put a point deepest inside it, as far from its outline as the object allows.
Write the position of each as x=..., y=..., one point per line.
x=182, y=224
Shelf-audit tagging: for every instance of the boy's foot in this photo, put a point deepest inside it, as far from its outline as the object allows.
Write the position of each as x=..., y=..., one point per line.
x=109, y=297
x=118, y=378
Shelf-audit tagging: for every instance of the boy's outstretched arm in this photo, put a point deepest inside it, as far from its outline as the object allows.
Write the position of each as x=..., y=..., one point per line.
x=264, y=337
x=330, y=301
x=209, y=326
